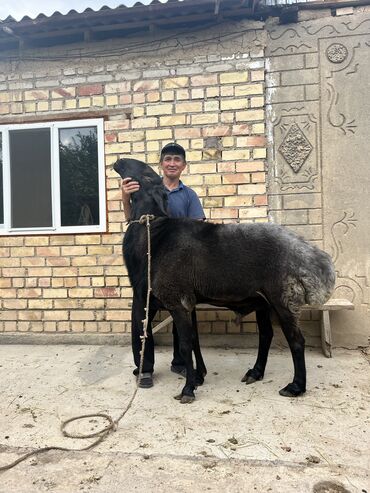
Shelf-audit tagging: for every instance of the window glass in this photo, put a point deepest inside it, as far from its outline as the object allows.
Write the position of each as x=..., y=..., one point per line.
x=79, y=183
x=30, y=178
x=1, y=181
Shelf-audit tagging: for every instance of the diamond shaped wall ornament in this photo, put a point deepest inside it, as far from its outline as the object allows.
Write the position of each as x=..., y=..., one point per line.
x=295, y=148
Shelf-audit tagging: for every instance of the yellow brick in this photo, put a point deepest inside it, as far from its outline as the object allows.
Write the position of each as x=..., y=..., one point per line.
x=257, y=102
x=152, y=158
x=55, y=315
x=138, y=146
x=203, y=168
x=159, y=134
x=159, y=109
x=204, y=119
x=213, y=202
x=22, y=252
x=252, y=189
x=222, y=190
x=228, y=141
x=63, y=92
x=70, y=104
x=252, y=212
x=56, y=105
x=81, y=292
x=224, y=213
x=248, y=89
x=258, y=128
x=36, y=95
x=212, y=92
x=194, y=156
x=211, y=180
x=197, y=93
x=211, y=106
x=54, y=293
x=152, y=146
x=234, y=77
x=257, y=75
x=134, y=136
x=4, y=97
x=238, y=201
x=168, y=95
x=98, y=101
x=42, y=106
x=197, y=143
x=188, y=107
x=138, y=111
x=175, y=82
x=235, y=155
x=84, y=103
x=4, y=109
x=30, y=107
x=234, y=104
x=111, y=100
x=73, y=250
x=88, y=240
x=182, y=94
x=249, y=115
x=143, y=123
x=153, y=97
x=169, y=121
x=227, y=91
x=259, y=153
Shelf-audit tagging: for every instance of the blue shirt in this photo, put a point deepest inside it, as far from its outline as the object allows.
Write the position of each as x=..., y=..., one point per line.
x=184, y=202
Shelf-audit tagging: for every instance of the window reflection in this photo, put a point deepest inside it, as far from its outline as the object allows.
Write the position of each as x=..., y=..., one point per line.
x=79, y=184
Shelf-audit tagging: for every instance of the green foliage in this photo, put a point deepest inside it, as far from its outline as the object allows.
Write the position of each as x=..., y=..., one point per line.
x=79, y=184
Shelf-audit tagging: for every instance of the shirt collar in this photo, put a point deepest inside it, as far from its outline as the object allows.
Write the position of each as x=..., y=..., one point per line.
x=180, y=187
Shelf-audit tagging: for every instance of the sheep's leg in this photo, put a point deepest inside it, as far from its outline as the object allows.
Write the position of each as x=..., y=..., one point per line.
x=265, y=337
x=201, y=370
x=182, y=320
x=289, y=325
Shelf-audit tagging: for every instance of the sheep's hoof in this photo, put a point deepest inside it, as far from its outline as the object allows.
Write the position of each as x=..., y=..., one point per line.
x=291, y=390
x=199, y=380
x=251, y=376
x=185, y=399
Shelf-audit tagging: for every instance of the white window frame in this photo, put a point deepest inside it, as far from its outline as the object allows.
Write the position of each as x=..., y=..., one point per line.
x=5, y=229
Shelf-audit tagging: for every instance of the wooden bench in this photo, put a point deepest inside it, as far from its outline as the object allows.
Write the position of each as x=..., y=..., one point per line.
x=325, y=309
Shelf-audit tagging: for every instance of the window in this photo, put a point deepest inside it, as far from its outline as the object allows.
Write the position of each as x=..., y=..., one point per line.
x=52, y=178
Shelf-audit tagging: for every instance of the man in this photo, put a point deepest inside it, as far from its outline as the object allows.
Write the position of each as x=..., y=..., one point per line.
x=182, y=202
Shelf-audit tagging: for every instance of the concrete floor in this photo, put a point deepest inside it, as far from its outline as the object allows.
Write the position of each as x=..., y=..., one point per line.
x=233, y=438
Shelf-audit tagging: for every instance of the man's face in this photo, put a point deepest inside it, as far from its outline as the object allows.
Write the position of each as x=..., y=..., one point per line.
x=172, y=165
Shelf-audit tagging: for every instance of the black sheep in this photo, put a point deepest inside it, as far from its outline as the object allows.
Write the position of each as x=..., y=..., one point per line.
x=246, y=267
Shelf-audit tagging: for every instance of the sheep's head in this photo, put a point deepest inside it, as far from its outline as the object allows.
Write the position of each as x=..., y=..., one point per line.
x=151, y=197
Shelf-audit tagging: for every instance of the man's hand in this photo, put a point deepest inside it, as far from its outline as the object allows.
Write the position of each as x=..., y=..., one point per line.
x=128, y=187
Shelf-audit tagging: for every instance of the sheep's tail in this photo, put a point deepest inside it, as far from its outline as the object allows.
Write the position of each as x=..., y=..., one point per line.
x=319, y=280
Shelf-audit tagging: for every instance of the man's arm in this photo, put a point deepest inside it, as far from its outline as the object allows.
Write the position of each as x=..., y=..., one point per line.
x=128, y=187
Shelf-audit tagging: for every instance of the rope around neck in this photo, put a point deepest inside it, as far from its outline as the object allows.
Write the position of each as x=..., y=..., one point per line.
x=112, y=424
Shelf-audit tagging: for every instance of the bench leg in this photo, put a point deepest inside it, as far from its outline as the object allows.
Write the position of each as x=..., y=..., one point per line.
x=326, y=334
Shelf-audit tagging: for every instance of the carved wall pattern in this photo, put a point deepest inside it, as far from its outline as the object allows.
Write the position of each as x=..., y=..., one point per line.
x=319, y=72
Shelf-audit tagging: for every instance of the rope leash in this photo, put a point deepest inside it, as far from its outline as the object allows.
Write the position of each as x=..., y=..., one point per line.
x=112, y=424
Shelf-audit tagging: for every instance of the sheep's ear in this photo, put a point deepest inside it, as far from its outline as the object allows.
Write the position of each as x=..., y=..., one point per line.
x=160, y=198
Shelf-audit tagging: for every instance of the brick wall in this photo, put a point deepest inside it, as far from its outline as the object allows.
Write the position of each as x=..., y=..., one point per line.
x=208, y=96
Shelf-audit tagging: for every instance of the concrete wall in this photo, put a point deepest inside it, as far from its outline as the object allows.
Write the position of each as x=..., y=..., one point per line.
x=317, y=95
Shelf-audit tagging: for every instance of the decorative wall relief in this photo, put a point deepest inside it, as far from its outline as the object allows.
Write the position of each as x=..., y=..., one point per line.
x=295, y=139
x=345, y=116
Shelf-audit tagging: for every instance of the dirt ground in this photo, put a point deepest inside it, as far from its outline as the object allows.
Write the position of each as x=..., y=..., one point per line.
x=233, y=438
